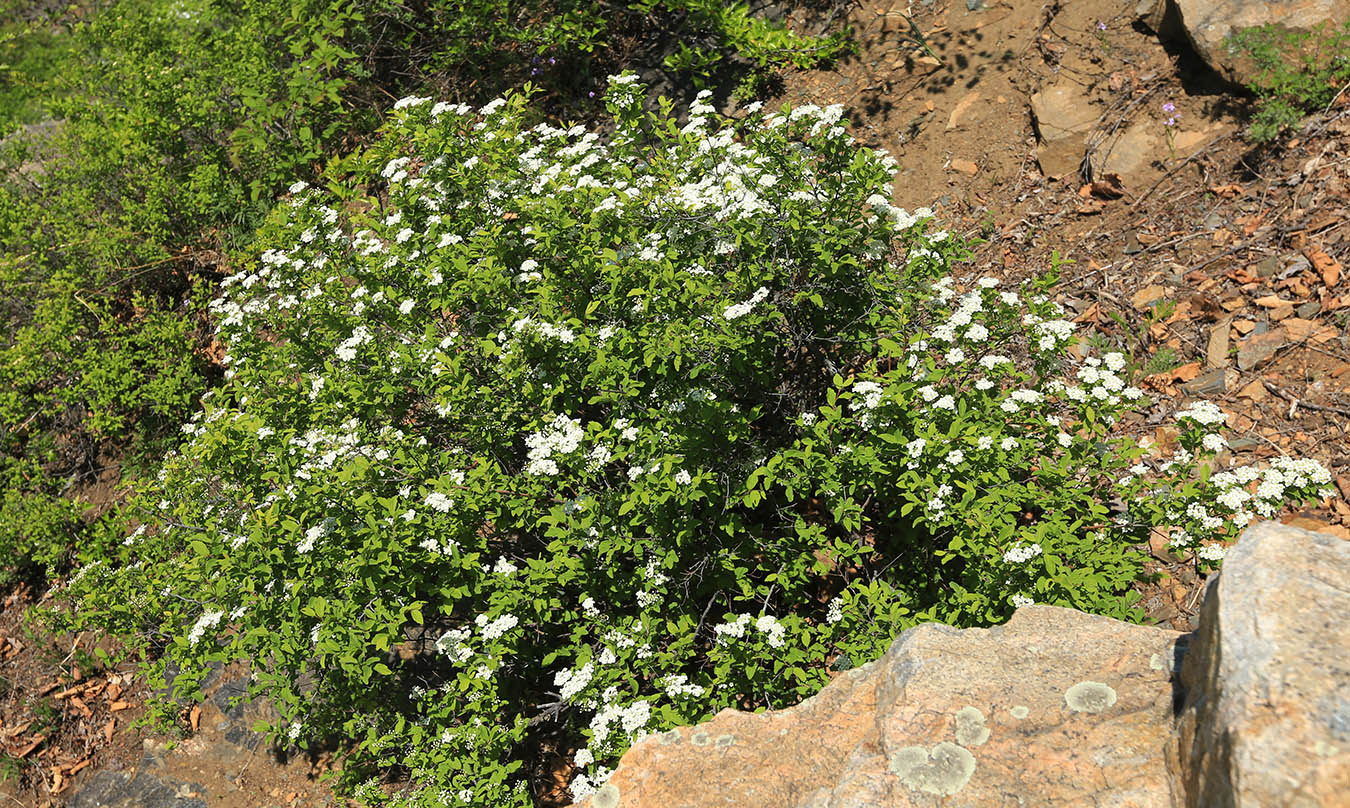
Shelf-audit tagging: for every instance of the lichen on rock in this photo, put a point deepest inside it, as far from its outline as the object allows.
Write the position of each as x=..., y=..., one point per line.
x=944, y=770
x=970, y=728
x=1089, y=697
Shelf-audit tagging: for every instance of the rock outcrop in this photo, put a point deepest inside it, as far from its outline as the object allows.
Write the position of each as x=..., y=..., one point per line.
x=1057, y=708
x=1267, y=677
x=1208, y=23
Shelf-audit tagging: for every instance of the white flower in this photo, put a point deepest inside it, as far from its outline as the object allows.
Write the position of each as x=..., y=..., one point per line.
x=438, y=501
x=206, y=621
x=583, y=758
x=734, y=629
x=1202, y=412
x=738, y=310
x=770, y=625
x=1210, y=552
x=1018, y=601
x=1214, y=443
x=406, y=306
x=1008, y=444
x=562, y=436
x=835, y=612
x=498, y=627
x=311, y=535
x=504, y=567
x=570, y=683
x=682, y=477
x=1020, y=553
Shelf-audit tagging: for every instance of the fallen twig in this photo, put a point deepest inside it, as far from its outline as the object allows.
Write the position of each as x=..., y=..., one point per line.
x=1298, y=402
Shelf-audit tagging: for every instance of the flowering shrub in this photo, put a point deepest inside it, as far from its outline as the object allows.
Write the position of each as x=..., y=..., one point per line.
x=533, y=437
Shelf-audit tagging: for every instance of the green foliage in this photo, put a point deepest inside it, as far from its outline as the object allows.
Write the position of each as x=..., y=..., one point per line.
x=1301, y=72
x=34, y=44
x=531, y=436
x=147, y=138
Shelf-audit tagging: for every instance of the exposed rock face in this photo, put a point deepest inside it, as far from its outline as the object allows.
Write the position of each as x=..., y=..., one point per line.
x=1064, y=114
x=1057, y=708
x=1267, y=677
x=1208, y=23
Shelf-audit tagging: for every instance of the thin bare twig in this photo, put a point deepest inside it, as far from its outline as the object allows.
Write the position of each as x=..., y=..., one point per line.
x=1298, y=402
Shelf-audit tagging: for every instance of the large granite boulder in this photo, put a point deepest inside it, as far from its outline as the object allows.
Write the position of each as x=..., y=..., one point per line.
x=1208, y=23
x=1057, y=708
x=1267, y=677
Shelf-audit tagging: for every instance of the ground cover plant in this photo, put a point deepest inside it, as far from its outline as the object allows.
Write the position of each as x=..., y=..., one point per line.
x=1301, y=72
x=537, y=438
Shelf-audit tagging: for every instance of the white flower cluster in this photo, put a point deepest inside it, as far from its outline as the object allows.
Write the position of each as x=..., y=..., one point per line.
x=1210, y=552
x=439, y=502
x=835, y=611
x=1285, y=476
x=677, y=686
x=1021, y=553
x=1205, y=413
x=208, y=620
x=937, y=505
x=313, y=534
x=735, y=629
x=572, y=682
x=867, y=397
x=453, y=644
x=739, y=310
x=562, y=436
x=495, y=628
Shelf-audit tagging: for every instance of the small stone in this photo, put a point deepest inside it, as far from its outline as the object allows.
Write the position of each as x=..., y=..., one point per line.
x=1255, y=391
x=1212, y=382
x=1132, y=245
x=1147, y=296
x=1257, y=348
x=1309, y=310
x=1266, y=267
x=965, y=166
x=1217, y=351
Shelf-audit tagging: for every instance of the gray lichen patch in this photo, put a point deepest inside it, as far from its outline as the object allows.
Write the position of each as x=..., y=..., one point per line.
x=700, y=738
x=943, y=771
x=1156, y=662
x=1020, y=711
x=1089, y=697
x=723, y=741
x=970, y=728
x=669, y=738
x=607, y=796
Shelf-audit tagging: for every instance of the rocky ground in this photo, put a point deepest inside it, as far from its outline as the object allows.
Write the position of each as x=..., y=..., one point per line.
x=1036, y=127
